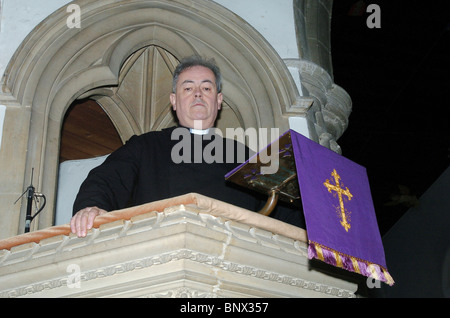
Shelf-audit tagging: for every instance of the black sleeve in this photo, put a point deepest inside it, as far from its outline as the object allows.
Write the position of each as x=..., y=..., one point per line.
x=110, y=185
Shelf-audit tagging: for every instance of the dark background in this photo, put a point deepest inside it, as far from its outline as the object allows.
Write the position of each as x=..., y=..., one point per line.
x=397, y=78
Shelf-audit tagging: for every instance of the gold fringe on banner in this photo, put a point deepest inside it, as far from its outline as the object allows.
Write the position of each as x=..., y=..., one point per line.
x=350, y=263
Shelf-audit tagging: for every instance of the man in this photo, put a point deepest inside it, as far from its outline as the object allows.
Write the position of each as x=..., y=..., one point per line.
x=144, y=169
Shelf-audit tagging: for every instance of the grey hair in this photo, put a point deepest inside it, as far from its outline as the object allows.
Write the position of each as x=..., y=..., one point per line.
x=196, y=60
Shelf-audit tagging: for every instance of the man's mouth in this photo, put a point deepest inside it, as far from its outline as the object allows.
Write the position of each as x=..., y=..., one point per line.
x=198, y=104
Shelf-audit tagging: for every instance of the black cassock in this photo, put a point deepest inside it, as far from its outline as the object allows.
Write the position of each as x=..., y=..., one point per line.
x=146, y=169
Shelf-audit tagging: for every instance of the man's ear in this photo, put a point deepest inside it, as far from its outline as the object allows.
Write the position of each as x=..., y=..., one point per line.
x=173, y=101
x=219, y=100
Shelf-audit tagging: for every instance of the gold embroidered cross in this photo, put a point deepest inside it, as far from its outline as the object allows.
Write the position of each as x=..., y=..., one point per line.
x=340, y=192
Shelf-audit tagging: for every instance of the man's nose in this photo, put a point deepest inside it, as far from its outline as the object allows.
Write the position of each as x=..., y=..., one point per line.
x=197, y=92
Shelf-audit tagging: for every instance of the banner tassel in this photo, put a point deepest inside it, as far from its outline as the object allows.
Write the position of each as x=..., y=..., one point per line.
x=349, y=263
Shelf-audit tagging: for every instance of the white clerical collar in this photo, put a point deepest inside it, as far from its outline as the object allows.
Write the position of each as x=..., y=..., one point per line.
x=199, y=131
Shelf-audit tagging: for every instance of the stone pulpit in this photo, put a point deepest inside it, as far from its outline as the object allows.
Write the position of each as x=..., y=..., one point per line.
x=186, y=246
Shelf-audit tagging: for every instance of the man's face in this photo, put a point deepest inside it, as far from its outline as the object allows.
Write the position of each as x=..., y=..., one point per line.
x=196, y=98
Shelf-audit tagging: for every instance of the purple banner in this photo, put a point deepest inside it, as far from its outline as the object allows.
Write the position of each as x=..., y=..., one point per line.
x=339, y=213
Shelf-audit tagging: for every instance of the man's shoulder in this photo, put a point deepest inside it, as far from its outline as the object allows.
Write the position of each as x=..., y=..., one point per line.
x=154, y=134
x=149, y=139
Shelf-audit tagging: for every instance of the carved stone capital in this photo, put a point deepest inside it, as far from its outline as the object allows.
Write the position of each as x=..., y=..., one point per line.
x=332, y=106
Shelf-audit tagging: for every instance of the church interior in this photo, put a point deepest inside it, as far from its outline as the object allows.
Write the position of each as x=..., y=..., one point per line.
x=397, y=128
x=396, y=75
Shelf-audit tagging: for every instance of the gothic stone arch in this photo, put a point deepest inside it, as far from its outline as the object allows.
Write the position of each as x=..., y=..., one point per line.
x=119, y=41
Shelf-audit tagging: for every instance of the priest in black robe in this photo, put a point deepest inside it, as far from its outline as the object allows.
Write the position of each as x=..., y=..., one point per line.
x=175, y=161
